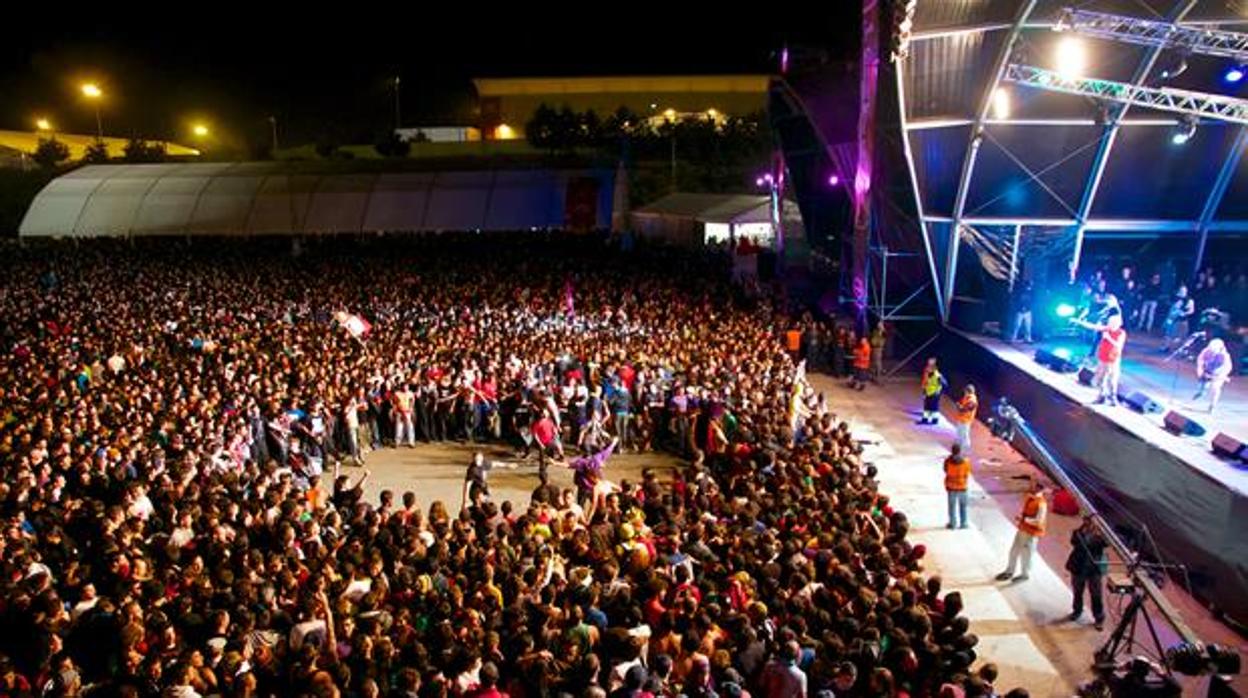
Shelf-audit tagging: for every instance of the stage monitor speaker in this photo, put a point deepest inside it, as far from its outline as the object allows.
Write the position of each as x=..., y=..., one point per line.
x=1179, y=424
x=1142, y=403
x=1227, y=446
x=1086, y=375
x=1044, y=357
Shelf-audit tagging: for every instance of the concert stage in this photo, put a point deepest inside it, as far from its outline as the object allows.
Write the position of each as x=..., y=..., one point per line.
x=1192, y=502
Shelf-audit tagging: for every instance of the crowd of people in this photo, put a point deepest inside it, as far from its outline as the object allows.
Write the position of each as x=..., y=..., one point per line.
x=171, y=410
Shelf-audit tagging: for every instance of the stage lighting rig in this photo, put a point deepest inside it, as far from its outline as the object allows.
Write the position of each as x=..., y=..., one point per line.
x=1184, y=131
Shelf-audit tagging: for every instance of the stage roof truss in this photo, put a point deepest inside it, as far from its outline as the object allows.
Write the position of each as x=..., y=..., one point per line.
x=1206, y=40
x=1169, y=99
x=1101, y=195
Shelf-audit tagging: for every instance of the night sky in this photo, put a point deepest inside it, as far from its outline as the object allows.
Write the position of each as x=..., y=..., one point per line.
x=311, y=67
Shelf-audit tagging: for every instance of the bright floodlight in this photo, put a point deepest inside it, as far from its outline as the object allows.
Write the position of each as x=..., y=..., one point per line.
x=200, y=130
x=833, y=180
x=1184, y=131
x=1234, y=74
x=1065, y=310
x=1072, y=58
x=92, y=90
x=1062, y=353
x=43, y=124
x=1001, y=103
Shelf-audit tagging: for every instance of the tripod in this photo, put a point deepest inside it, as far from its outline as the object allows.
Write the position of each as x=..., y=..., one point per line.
x=1122, y=640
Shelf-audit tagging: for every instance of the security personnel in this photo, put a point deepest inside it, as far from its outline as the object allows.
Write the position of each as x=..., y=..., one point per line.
x=862, y=364
x=965, y=416
x=957, y=472
x=1030, y=522
x=932, y=384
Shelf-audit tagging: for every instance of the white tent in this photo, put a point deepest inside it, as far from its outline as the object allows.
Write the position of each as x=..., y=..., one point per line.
x=310, y=198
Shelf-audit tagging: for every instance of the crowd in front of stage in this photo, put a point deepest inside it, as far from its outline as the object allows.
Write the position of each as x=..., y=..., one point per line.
x=169, y=413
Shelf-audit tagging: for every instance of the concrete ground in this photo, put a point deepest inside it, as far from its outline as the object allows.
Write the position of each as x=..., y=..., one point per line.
x=436, y=472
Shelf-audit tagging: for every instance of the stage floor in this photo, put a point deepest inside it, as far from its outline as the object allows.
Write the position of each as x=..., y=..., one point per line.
x=1172, y=383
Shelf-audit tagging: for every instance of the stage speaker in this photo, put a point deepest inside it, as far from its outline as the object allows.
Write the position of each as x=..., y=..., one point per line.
x=1178, y=424
x=1086, y=375
x=1226, y=446
x=1142, y=403
x=1044, y=357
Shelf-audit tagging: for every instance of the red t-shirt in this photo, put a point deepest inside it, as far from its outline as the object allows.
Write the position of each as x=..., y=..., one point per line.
x=627, y=376
x=1110, y=348
x=544, y=431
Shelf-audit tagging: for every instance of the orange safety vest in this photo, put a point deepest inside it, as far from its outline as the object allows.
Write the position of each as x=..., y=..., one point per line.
x=794, y=339
x=966, y=409
x=862, y=355
x=956, y=473
x=1034, y=507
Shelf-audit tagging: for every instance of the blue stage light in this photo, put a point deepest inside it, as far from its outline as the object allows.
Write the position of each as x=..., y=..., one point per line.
x=1065, y=310
x=1234, y=74
x=1062, y=353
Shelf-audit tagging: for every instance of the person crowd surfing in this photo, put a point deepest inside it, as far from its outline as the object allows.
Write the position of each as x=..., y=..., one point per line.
x=169, y=412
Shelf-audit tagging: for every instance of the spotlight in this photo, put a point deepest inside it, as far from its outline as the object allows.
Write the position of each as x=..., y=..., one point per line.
x=1071, y=58
x=1235, y=73
x=1184, y=131
x=1065, y=310
x=1176, y=67
x=833, y=180
x=1001, y=103
x=1062, y=353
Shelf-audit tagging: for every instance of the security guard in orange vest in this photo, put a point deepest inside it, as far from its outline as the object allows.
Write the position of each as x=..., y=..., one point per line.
x=965, y=417
x=862, y=364
x=1030, y=523
x=957, y=472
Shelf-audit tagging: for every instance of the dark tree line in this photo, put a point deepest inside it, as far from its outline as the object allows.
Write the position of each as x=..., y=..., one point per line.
x=732, y=141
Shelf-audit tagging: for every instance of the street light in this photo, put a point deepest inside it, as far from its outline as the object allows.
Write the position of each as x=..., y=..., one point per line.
x=93, y=92
x=199, y=130
x=43, y=124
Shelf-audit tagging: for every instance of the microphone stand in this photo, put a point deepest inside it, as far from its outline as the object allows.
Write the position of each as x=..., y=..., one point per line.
x=1183, y=348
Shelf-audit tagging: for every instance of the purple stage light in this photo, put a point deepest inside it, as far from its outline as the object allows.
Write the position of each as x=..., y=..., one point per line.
x=834, y=180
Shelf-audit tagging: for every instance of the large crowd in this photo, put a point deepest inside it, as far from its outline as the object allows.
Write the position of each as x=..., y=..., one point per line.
x=171, y=412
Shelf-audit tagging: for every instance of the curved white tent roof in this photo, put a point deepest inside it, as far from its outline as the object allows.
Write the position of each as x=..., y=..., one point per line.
x=284, y=198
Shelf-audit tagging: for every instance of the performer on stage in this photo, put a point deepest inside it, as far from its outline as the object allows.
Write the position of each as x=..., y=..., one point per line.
x=1213, y=370
x=1108, y=355
x=1103, y=307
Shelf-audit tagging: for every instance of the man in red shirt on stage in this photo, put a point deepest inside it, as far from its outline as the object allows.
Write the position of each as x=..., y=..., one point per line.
x=1108, y=357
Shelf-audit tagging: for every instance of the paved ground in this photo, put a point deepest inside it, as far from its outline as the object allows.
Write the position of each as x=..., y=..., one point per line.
x=436, y=472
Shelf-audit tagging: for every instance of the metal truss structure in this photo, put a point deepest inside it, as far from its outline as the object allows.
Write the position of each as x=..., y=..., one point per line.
x=1180, y=28
x=1213, y=106
x=1202, y=39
